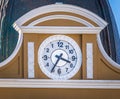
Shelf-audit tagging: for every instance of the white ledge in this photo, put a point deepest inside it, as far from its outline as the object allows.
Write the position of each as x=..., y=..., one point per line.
x=61, y=29
x=37, y=83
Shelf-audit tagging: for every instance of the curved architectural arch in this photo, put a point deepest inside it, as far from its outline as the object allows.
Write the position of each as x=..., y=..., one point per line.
x=16, y=50
x=68, y=17
x=61, y=7
x=113, y=63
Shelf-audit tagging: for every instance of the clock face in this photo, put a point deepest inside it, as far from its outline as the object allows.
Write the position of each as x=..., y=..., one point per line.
x=59, y=57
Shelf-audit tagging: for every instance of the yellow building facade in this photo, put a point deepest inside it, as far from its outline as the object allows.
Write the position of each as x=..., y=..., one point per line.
x=59, y=54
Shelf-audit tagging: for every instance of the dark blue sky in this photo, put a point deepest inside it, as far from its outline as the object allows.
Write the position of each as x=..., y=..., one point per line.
x=115, y=5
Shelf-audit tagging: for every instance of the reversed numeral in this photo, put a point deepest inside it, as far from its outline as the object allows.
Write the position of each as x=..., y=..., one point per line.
x=60, y=44
x=73, y=58
x=66, y=69
x=45, y=57
x=47, y=64
x=67, y=46
x=59, y=71
x=71, y=51
x=47, y=50
x=71, y=65
x=52, y=45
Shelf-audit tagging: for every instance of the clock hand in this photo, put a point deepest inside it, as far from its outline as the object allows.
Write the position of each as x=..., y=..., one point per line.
x=63, y=59
x=59, y=57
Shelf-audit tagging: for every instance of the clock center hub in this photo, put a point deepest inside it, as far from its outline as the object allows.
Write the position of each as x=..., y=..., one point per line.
x=56, y=57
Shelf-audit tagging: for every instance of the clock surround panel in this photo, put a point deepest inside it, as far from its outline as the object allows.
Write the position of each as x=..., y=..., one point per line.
x=37, y=42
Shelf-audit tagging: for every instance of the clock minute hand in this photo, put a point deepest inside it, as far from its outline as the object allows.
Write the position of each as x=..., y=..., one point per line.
x=63, y=59
x=59, y=57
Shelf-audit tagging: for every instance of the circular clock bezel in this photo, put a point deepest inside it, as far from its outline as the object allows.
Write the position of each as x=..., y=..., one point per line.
x=75, y=46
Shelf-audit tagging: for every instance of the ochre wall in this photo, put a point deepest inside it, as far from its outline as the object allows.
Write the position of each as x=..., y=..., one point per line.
x=32, y=93
x=18, y=67
x=14, y=69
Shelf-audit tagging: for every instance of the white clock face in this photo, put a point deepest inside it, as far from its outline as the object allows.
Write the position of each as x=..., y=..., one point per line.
x=59, y=57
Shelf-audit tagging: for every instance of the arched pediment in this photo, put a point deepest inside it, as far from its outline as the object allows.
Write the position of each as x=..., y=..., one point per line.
x=61, y=11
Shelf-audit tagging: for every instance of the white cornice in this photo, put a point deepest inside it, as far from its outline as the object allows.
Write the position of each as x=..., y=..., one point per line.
x=61, y=29
x=36, y=83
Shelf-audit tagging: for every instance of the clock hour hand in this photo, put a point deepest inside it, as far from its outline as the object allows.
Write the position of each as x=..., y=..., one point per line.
x=59, y=57
x=63, y=59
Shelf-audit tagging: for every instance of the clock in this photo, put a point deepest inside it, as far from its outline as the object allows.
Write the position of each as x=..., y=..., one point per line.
x=59, y=57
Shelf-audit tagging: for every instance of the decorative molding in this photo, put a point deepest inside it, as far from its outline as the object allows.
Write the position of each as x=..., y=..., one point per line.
x=61, y=29
x=64, y=8
x=67, y=17
x=37, y=83
x=31, y=71
x=89, y=60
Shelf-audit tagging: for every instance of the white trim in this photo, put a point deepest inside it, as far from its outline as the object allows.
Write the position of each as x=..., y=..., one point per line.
x=37, y=83
x=61, y=7
x=14, y=53
x=68, y=17
x=61, y=29
x=113, y=63
x=89, y=60
x=31, y=70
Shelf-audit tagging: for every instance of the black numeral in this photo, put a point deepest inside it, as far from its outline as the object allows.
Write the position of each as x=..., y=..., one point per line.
x=52, y=45
x=73, y=58
x=67, y=46
x=66, y=69
x=45, y=57
x=60, y=44
x=47, y=64
x=71, y=65
x=59, y=71
x=71, y=51
x=47, y=50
